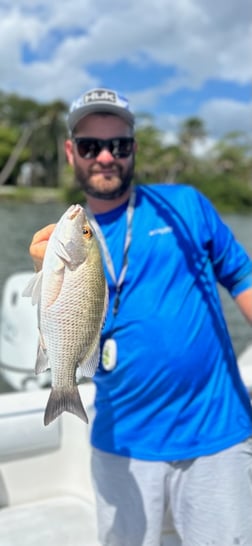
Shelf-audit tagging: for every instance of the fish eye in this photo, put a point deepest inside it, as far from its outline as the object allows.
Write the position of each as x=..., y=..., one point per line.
x=87, y=232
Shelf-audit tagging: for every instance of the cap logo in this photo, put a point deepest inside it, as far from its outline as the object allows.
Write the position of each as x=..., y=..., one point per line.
x=100, y=95
x=97, y=100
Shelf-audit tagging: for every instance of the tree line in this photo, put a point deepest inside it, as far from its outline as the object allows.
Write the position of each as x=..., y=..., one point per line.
x=32, y=153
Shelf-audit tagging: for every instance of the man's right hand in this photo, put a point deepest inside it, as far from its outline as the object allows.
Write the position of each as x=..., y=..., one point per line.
x=38, y=245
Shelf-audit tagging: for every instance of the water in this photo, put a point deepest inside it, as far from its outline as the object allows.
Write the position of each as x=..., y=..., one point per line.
x=18, y=223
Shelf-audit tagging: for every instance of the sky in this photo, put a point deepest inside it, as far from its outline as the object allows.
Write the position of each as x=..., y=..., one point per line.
x=173, y=59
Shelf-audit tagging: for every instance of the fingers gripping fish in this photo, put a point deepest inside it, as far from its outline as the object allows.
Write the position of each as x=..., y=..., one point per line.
x=72, y=296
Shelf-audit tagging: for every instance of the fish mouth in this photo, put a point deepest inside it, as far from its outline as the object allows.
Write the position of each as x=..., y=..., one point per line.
x=76, y=209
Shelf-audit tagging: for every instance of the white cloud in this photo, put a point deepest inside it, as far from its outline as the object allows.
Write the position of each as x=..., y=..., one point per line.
x=202, y=39
x=223, y=116
x=219, y=116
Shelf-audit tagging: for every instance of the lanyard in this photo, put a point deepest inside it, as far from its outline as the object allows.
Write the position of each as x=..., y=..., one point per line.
x=106, y=254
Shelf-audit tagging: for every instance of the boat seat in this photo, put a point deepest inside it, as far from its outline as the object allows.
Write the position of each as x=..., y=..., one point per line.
x=66, y=520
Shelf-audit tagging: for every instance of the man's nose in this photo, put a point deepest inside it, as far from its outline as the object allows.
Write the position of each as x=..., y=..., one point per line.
x=105, y=156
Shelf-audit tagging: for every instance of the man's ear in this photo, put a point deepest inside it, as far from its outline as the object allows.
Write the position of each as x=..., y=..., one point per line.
x=68, y=145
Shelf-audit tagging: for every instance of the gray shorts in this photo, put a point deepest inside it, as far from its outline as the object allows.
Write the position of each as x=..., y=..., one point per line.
x=198, y=502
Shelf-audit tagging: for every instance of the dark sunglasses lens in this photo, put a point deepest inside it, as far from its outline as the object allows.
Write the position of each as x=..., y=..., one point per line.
x=121, y=147
x=89, y=148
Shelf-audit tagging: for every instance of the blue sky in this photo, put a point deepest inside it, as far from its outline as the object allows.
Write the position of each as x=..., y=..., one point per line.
x=172, y=60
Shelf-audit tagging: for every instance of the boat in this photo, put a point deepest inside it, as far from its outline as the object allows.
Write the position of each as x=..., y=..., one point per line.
x=19, y=336
x=46, y=492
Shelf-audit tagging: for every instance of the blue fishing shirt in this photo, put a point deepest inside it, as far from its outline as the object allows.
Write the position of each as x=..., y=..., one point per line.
x=176, y=391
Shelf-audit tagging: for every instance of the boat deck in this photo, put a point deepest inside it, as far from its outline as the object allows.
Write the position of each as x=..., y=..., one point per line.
x=46, y=494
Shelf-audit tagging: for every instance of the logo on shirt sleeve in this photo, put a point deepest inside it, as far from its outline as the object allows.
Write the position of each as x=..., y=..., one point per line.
x=160, y=231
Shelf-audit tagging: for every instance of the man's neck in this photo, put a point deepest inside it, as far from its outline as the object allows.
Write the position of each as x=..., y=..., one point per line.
x=99, y=206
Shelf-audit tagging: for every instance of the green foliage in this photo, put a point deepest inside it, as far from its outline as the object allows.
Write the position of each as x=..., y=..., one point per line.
x=149, y=153
x=224, y=175
x=8, y=139
x=38, y=131
x=191, y=129
x=19, y=111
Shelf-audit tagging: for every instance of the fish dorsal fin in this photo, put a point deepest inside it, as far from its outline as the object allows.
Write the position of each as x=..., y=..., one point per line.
x=33, y=288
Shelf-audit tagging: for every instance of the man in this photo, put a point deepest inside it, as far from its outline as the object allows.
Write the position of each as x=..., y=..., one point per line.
x=173, y=418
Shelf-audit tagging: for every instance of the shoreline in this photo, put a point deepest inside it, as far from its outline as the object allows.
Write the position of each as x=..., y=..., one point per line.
x=42, y=195
x=32, y=195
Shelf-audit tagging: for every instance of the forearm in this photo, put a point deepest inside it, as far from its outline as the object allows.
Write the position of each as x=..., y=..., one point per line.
x=244, y=302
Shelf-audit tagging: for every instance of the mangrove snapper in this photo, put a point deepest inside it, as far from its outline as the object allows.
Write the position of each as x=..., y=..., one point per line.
x=71, y=294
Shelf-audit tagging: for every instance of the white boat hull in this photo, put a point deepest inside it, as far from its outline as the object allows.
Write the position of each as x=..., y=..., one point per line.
x=46, y=494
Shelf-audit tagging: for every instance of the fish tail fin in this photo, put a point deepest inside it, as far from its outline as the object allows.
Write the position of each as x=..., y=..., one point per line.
x=67, y=399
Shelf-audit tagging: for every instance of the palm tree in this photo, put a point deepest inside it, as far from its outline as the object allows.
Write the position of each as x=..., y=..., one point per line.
x=192, y=129
x=42, y=129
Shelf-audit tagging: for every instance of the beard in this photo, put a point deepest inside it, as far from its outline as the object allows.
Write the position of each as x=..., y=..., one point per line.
x=124, y=177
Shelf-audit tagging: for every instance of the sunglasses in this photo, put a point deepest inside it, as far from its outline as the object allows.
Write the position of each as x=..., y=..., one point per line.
x=89, y=148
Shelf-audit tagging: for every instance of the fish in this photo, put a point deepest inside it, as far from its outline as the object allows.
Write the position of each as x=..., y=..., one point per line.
x=71, y=294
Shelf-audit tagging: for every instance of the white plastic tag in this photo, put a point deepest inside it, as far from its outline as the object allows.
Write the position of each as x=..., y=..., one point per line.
x=109, y=354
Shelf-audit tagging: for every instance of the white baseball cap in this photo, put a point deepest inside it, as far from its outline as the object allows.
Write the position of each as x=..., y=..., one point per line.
x=99, y=100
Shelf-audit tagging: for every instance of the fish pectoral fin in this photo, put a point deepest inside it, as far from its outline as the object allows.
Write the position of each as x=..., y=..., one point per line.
x=90, y=361
x=61, y=252
x=55, y=282
x=33, y=288
x=64, y=399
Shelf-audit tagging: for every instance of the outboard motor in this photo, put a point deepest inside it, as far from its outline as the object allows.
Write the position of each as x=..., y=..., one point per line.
x=19, y=336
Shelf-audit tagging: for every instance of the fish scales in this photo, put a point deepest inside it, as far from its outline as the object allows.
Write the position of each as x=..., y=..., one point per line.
x=70, y=312
x=72, y=306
